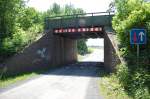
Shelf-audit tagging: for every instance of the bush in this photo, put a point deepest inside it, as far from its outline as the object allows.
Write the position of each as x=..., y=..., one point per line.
x=19, y=40
x=82, y=47
x=132, y=76
x=142, y=93
x=123, y=74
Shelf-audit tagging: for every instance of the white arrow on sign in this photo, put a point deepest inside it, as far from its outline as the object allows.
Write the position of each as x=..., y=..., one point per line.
x=141, y=34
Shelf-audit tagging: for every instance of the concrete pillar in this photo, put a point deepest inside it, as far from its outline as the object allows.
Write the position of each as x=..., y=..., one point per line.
x=64, y=50
x=70, y=46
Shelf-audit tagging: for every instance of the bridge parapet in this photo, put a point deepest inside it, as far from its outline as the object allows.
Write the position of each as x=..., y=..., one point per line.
x=79, y=20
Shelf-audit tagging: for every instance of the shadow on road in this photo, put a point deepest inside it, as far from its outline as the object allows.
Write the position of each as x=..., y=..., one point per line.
x=90, y=69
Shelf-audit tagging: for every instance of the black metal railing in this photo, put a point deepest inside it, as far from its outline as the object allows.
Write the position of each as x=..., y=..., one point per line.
x=79, y=15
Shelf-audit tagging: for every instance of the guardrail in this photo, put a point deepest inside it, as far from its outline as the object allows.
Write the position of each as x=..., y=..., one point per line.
x=80, y=15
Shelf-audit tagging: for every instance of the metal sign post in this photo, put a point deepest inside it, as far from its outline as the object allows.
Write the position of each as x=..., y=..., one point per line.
x=138, y=36
x=138, y=54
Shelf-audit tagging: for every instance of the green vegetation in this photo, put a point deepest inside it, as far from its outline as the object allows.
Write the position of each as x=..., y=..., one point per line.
x=6, y=80
x=90, y=49
x=56, y=10
x=19, y=26
x=133, y=79
x=11, y=80
x=110, y=87
x=82, y=47
x=81, y=56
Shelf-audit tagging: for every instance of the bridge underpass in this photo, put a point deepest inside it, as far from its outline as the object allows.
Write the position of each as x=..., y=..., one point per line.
x=58, y=47
x=68, y=29
x=59, y=44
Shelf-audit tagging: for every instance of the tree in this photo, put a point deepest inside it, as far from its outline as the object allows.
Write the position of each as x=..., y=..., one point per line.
x=111, y=7
x=54, y=10
x=8, y=14
x=69, y=10
x=19, y=26
x=28, y=18
x=82, y=47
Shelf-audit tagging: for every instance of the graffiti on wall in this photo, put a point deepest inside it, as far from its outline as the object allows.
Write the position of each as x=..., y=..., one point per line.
x=43, y=55
x=41, y=52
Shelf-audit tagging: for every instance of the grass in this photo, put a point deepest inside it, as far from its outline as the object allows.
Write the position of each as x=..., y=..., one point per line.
x=11, y=80
x=81, y=57
x=90, y=50
x=7, y=80
x=110, y=87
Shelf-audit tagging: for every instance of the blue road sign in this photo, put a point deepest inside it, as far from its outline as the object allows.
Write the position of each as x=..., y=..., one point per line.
x=138, y=36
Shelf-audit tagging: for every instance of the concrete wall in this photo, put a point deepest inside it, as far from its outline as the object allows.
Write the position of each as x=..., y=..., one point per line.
x=49, y=51
x=111, y=58
x=52, y=51
x=64, y=50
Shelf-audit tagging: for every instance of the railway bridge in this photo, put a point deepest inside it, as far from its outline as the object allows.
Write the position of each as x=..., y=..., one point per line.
x=59, y=44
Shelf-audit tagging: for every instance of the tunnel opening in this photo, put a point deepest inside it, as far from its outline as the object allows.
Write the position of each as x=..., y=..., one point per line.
x=94, y=55
x=68, y=30
x=94, y=50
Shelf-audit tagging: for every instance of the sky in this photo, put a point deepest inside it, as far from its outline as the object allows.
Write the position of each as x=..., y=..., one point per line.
x=86, y=5
x=95, y=42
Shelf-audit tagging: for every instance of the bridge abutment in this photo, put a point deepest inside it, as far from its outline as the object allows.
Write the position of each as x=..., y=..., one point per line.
x=53, y=50
x=111, y=58
x=49, y=51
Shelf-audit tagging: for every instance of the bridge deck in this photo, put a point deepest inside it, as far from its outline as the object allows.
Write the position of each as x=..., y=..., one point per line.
x=100, y=19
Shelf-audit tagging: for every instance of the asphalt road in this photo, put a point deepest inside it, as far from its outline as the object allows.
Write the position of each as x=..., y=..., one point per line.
x=96, y=56
x=75, y=81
